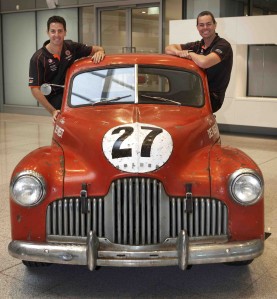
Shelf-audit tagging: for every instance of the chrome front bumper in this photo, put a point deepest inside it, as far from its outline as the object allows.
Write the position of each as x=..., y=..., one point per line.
x=101, y=252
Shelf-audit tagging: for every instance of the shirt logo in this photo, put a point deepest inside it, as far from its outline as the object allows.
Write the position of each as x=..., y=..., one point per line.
x=218, y=51
x=68, y=54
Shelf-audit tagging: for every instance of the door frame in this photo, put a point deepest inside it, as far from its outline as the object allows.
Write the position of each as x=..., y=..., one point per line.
x=123, y=5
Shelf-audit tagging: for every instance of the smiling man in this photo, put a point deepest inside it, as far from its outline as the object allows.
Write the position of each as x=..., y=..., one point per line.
x=212, y=53
x=50, y=63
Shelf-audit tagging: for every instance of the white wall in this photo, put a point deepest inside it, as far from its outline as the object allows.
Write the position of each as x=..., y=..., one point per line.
x=240, y=32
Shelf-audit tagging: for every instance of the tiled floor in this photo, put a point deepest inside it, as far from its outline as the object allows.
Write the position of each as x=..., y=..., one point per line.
x=19, y=134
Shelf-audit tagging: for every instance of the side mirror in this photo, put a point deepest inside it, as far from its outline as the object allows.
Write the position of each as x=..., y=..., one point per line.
x=46, y=89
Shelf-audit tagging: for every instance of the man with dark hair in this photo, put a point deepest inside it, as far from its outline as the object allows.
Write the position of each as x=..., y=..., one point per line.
x=50, y=63
x=212, y=53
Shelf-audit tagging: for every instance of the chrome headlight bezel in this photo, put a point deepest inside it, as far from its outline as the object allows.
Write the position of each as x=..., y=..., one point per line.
x=249, y=180
x=38, y=193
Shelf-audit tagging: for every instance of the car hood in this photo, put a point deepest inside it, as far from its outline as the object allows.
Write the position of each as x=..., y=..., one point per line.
x=101, y=144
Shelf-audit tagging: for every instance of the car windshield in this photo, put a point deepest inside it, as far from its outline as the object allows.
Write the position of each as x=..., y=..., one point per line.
x=137, y=84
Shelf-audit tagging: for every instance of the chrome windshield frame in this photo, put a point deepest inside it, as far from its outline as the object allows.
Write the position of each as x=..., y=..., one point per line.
x=136, y=83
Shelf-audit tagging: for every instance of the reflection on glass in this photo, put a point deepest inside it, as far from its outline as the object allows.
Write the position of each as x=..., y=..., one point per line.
x=169, y=85
x=103, y=86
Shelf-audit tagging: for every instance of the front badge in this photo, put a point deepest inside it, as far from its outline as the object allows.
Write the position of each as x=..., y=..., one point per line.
x=137, y=148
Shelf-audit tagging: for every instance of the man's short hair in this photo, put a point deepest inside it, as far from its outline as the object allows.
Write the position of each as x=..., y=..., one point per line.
x=206, y=13
x=56, y=19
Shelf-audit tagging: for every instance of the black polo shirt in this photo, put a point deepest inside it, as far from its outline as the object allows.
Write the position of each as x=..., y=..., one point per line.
x=48, y=68
x=219, y=74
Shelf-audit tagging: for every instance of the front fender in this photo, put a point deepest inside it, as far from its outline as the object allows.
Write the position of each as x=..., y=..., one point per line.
x=26, y=222
x=224, y=161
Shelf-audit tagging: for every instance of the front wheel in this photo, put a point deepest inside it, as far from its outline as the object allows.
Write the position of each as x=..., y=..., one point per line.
x=35, y=264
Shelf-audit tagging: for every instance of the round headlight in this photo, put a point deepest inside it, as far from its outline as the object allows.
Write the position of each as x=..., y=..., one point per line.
x=246, y=186
x=28, y=188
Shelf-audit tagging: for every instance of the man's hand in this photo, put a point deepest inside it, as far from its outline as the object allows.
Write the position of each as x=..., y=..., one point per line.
x=183, y=54
x=55, y=114
x=98, y=56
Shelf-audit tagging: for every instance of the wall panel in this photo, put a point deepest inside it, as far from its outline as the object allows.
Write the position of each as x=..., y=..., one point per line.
x=16, y=56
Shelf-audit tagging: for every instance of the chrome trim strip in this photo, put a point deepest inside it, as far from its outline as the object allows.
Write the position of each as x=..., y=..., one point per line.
x=101, y=252
x=136, y=83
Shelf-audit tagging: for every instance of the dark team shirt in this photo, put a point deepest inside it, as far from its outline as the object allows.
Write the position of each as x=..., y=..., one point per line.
x=219, y=74
x=48, y=68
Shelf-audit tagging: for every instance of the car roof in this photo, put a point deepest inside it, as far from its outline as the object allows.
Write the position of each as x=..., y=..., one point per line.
x=141, y=59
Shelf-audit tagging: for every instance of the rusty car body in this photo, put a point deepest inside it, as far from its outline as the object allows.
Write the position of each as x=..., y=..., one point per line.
x=136, y=174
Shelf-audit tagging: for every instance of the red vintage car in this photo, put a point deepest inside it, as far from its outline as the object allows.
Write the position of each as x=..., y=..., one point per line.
x=136, y=174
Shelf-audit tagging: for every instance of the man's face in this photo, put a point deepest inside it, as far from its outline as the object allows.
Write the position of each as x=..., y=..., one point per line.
x=56, y=33
x=206, y=27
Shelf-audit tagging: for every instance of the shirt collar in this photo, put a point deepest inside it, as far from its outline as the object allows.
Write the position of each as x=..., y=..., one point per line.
x=47, y=52
x=213, y=42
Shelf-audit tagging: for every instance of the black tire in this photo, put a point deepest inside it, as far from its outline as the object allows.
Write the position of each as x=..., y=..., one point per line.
x=29, y=264
x=240, y=263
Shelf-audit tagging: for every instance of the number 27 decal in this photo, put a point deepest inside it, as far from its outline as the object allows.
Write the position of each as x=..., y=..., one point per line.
x=137, y=147
x=147, y=142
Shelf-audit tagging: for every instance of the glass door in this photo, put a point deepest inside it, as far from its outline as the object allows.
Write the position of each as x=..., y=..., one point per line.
x=133, y=29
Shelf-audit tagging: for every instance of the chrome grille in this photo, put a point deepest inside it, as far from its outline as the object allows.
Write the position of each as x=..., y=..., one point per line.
x=209, y=217
x=138, y=207
x=64, y=218
x=137, y=211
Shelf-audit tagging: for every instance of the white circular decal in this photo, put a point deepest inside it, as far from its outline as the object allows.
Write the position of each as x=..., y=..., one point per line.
x=137, y=147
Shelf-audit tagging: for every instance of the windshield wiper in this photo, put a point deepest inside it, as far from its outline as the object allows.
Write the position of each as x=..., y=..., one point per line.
x=106, y=100
x=160, y=99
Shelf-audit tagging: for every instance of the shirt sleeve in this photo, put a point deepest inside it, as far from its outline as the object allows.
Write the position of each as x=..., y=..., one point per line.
x=223, y=49
x=193, y=46
x=81, y=50
x=36, y=71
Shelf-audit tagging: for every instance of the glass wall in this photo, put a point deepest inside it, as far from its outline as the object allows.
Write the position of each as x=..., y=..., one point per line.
x=17, y=51
x=130, y=29
x=173, y=10
x=145, y=34
x=86, y=22
x=114, y=30
x=231, y=8
x=16, y=56
x=264, y=7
